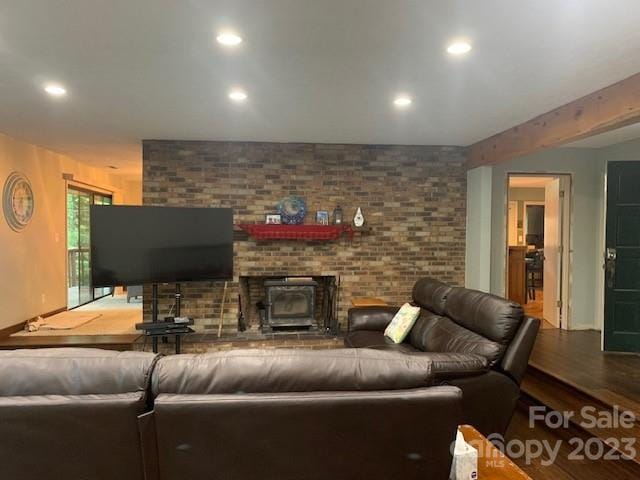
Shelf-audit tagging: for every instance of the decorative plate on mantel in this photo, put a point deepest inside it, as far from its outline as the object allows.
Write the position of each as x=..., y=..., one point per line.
x=292, y=210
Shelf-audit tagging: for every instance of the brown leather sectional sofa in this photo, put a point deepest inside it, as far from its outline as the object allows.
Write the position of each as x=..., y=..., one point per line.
x=382, y=412
x=476, y=341
x=74, y=414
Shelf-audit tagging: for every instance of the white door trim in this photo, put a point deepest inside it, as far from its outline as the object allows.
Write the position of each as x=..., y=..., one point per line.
x=568, y=222
x=512, y=232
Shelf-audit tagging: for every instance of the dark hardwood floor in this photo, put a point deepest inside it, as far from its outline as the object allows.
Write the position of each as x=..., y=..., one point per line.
x=564, y=466
x=576, y=359
x=567, y=371
x=534, y=308
x=109, y=342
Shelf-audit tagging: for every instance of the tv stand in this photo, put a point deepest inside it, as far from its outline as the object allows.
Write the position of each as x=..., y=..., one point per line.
x=157, y=329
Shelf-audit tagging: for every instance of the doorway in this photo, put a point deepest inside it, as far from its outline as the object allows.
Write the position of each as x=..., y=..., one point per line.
x=538, y=235
x=79, y=287
x=622, y=258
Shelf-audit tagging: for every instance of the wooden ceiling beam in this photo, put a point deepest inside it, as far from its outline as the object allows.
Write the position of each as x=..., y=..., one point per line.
x=607, y=109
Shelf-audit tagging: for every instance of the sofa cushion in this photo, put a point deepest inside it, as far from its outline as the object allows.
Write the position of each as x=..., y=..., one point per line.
x=283, y=370
x=444, y=364
x=377, y=340
x=433, y=333
x=73, y=371
x=431, y=294
x=492, y=317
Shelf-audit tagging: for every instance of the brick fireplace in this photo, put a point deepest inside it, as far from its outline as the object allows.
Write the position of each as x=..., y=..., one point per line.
x=413, y=199
x=285, y=304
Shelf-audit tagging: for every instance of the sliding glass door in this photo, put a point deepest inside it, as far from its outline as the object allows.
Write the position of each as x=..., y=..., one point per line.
x=80, y=290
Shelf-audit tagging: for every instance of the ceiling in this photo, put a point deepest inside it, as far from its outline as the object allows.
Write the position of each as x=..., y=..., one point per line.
x=532, y=181
x=624, y=134
x=315, y=71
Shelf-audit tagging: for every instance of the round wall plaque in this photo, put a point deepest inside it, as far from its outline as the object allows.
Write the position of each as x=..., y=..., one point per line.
x=17, y=201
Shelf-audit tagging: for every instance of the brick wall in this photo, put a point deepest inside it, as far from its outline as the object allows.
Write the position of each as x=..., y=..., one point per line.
x=413, y=199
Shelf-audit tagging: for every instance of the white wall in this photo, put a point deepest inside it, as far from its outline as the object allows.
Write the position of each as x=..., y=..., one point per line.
x=526, y=194
x=621, y=152
x=522, y=195
x=587, y=200
x=486, y=231
x=33, y=262
x=477, y=269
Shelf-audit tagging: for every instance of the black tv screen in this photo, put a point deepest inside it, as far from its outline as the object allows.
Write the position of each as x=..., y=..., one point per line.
x=136, y=245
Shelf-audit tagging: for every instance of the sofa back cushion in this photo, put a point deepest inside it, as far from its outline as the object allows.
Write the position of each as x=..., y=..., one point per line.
x=489, y=316
x=284, y=370
x=73, y=371
x=434, y=333
x=431, y=294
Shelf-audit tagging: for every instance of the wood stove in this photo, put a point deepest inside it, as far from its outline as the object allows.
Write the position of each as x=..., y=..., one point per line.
x=289, y=304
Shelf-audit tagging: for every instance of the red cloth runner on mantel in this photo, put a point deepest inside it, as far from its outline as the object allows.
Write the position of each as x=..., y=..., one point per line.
x=296, y=232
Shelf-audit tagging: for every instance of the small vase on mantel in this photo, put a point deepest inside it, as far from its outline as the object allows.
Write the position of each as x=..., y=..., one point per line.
x=358, y=219
x=337, y=215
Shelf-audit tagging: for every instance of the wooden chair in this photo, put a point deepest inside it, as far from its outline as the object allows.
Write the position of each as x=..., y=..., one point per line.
x=535, y=266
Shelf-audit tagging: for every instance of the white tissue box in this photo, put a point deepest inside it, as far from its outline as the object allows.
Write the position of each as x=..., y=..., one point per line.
x=465, y=460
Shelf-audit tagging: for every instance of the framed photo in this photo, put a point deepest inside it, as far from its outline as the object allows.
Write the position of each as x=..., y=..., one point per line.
x=273, y=219
x=322, y=217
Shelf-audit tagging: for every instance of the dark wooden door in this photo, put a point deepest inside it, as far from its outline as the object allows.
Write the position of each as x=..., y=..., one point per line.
x=622, y=257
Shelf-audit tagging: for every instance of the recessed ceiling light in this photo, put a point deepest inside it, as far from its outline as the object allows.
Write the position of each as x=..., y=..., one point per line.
x=459, y=48
x=229, y=39
x=55, y=90
x=237, y=95
x=402, y=101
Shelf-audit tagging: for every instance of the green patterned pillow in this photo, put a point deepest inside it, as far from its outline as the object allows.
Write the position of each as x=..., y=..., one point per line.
x=402, y=323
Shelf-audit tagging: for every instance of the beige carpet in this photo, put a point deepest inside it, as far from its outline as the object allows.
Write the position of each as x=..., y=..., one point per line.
x=66, y=320
x=112, y=316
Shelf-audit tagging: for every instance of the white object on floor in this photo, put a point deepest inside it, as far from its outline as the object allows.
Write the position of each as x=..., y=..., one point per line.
x=465, y=460
x=34, y=326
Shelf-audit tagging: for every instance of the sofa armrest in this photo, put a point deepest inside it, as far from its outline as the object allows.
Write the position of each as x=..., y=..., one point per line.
x=447, y=366
x=516, y=358
x=370, y=318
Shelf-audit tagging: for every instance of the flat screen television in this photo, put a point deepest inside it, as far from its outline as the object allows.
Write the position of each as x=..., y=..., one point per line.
x=137, y=245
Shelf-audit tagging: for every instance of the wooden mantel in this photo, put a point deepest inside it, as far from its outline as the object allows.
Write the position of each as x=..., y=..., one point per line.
x=612, y=107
